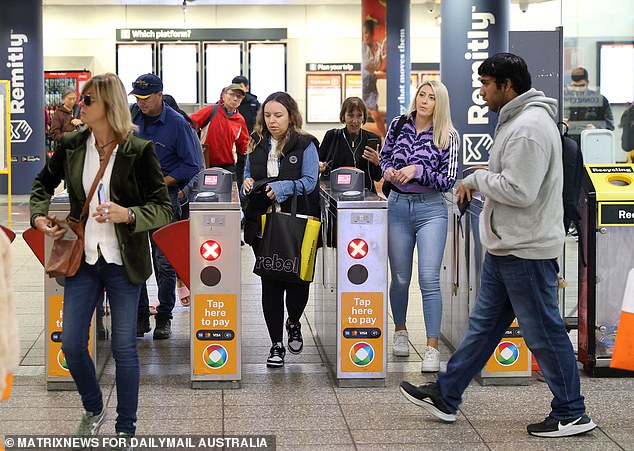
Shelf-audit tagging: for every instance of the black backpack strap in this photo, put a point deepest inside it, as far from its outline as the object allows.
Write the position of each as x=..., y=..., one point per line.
x=399, y=127
x=214, y=111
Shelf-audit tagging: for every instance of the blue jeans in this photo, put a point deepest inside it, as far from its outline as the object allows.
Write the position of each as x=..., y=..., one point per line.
x=81, y=295
x=417, y=220
x=163, y=272
x=527, y=289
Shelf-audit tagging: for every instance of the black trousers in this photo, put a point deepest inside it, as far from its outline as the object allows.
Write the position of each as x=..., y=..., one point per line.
x=273, y=304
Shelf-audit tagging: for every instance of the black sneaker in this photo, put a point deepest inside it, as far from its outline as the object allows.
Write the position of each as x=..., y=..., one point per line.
x=276, y=356
x=427, y=397
x=295, y=340
x=552, y=427
x=163, y=329
x=142, y=326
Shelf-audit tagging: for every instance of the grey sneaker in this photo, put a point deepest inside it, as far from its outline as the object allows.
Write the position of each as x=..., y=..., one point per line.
x=90, y=423
x=123, y=442
x=295, y=340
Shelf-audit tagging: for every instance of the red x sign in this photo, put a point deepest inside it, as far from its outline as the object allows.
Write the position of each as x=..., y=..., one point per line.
x=357, y=248
x=210, y=250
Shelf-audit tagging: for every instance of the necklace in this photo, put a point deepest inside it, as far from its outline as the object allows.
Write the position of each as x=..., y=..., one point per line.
x=101, y=150
x=352, y=147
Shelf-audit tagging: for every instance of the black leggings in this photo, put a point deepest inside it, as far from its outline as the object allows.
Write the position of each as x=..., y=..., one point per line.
x=273, y=304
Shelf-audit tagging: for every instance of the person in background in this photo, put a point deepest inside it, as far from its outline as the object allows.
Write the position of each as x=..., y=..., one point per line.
x=116, y=246
x=175, y=146
x=351, y=145
x=280, y=148
x=585, y=108
x=249, y=108
x=627, y=124
x=65, y=117
x=421, y=164
x=225, y=134
x=521, y=227
x=9, y=335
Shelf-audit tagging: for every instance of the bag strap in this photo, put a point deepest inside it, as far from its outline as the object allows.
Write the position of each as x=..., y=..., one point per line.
x=102, y=169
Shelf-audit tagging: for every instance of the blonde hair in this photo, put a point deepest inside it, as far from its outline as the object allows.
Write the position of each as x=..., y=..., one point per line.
x=109, y=89
x=441, y=119
x=294, y=121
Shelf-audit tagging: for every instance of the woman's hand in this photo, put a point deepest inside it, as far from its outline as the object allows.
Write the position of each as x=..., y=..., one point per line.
x=111, y=212
x=247, y=185
x=404, y=175
x=270, y=193
x=372, y=155
x=322, y=166
x=76, y=122
x=47, y=226
x=389, y=174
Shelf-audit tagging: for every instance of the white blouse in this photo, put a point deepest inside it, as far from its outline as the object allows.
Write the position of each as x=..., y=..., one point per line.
x=98, y=235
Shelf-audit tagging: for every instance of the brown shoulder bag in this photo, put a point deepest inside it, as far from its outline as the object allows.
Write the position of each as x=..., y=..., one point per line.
x=68, y=251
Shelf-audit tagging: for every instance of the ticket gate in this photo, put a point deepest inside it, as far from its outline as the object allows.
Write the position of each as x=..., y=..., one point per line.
x=57, y=374
x=510, y=363
x=350, y=284
x=214, y=261
x=607, y=217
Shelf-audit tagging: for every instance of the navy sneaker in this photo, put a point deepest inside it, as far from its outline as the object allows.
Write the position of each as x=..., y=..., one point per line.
x=552, y=427
x=427, y=397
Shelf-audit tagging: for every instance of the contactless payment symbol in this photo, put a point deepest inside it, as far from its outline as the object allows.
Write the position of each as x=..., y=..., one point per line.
x=61, y=360
x=215, y=356
x=361, y=354
x=507, y=353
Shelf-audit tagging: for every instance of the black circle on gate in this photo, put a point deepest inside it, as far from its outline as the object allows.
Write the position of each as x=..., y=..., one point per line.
x=210, y=276
x=357, y=274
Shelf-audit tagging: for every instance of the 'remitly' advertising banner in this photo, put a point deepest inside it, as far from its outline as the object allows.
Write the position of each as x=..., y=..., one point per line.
x=21, y=62
x=471, y=31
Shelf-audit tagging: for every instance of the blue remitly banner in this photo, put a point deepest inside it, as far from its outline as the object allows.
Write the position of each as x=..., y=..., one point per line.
x=21, y=62
x=471, y=31
x=398, y=59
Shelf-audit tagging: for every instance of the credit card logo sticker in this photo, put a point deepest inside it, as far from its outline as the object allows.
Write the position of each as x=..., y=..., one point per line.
x=61, y=360
x=507, y=353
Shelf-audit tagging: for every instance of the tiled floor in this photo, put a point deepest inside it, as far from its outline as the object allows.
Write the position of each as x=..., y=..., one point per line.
x=299, y=404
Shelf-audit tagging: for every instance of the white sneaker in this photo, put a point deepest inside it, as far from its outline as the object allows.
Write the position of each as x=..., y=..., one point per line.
x=400, y=348
x=431, y=360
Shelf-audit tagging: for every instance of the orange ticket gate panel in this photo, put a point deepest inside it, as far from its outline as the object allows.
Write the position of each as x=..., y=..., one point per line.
x=215, y=279
x=350, y=288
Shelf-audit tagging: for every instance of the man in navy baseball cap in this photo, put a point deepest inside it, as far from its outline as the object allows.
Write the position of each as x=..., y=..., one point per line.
x=146, y=85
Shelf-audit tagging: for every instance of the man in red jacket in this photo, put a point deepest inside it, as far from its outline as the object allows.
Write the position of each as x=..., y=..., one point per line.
x=226, y=133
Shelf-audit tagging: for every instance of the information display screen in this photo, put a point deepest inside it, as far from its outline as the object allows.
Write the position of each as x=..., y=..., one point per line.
x=616, y=71
x=267, y=68
x=323, y=97
x=210, y=180
x=179, y=71
x=222, y=63
x=133, y=60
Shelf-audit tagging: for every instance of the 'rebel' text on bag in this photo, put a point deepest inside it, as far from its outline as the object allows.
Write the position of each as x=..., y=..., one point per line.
x=276, y=263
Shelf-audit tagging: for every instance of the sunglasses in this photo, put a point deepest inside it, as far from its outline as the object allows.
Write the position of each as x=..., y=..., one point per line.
x=86, y=99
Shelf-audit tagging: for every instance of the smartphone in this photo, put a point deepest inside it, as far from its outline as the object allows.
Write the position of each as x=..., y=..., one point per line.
x=101, y=194
x=374, y=143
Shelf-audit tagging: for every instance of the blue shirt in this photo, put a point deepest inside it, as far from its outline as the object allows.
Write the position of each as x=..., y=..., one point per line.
x=173, y=143
x=284, y=189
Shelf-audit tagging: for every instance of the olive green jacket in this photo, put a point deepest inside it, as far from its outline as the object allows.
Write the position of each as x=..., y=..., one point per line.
x=136, y=182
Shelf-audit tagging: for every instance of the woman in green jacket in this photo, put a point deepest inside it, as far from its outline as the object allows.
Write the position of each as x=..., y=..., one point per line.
x=116, y=247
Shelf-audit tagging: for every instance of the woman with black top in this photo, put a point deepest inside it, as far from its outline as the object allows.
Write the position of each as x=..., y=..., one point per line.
x=351, y=145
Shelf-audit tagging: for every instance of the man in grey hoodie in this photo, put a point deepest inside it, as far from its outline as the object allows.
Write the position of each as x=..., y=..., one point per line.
x=521, y=227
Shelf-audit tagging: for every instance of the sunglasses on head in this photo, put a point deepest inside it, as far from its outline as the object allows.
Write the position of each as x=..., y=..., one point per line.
x=86, y=99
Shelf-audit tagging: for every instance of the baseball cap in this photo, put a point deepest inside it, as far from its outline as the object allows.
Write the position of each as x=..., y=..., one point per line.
x=236, y=87
x=146, y=85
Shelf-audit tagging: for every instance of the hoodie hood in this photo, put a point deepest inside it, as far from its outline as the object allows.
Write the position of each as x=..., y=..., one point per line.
x=530, y=99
